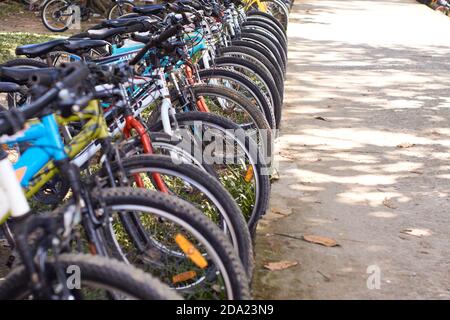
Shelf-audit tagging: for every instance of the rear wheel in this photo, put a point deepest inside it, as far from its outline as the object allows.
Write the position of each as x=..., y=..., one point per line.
x=58, y=15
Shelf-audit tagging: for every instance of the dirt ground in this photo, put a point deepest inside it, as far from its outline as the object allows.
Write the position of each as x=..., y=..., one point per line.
x=23, y=21
x=364, y=155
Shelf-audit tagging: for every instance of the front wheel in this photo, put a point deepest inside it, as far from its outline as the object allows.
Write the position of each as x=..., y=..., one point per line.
x=96, y=274
x=175, y=242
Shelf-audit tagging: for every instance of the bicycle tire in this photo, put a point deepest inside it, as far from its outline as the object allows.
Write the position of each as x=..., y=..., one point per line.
x=242, y=51
x=270, y=23
x=110, y=11
x=246, y=83
x=182, y=213
x=267, y=16
x=281, y=38
x=283, y=11
x=203, y=181
x=272, y=39
x=235, y=62
x=266, y=43
x=258, y=47
x=109, y=273
x=260, y=167
x=44, y=20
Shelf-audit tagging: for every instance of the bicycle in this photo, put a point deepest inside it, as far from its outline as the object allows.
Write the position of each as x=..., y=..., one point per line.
x=60, y=15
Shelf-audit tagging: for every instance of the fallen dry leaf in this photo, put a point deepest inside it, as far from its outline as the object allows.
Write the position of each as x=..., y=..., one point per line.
x=416, y=232
x=280, y=265
x=282, y=212
x=324, y=241
x=388, y=203
x=405, y=145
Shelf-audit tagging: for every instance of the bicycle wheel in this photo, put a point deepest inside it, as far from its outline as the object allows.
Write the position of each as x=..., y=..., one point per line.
x=232, y=105
x=269, y=37
x=120, y=8
x=265, y=27
x=243, y=170
x=254, y=72
x=265, y=23
x=173, y=241
x=255, y=56
x=266, y=16
x=258, y=47
x=192, y=184
x=279, y=10
x=244, y=85
x=267, y=44
x=99, y=276
x=57, y=15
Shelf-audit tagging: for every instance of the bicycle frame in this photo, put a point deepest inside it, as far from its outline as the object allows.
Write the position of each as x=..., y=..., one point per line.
x=12, y=198
x=36, y=167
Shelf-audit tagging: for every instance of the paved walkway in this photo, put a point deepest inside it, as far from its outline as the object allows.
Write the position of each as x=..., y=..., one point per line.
x=364, y=155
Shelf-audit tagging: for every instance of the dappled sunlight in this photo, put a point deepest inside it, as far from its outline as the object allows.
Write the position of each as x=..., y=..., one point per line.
x=389, y=168
x=383, y=214
x=356, y=137
x=365, y=179
x=303, y=187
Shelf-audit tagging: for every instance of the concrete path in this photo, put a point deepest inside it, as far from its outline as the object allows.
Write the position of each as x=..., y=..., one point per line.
x=364, y=155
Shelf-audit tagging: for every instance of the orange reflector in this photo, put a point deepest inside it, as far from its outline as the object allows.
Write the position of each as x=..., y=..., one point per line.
x=190, y=250
x=249, y=174
x=20, y=172
x=184, y=276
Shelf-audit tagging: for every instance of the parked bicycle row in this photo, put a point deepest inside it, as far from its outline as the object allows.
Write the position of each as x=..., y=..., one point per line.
x=144, y=153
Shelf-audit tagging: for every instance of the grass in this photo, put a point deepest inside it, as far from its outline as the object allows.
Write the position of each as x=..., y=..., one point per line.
x=10, y=40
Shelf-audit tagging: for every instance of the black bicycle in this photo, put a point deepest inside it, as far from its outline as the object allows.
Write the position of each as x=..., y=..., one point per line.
x=60, y=15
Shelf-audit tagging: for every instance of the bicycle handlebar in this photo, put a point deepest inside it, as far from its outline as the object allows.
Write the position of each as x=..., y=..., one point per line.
x=166, y=34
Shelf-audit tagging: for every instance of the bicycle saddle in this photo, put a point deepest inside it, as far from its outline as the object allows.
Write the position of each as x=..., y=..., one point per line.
x=126, y=22
x=81, y=45
x=69, y=45
x=39, y=49
x=191, y=3
x=9, y=87
x=150, y=9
